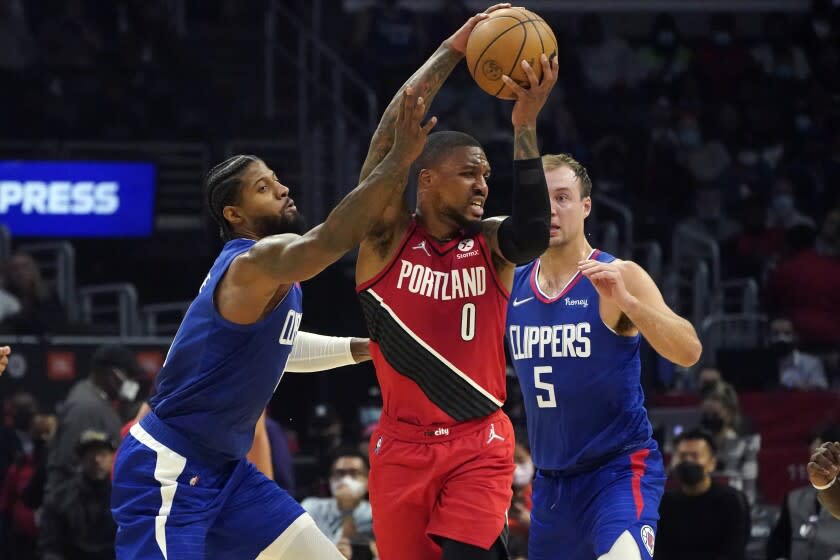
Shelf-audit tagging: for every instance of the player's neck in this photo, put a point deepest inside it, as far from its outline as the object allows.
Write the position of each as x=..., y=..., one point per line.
x=559, y=264
x=438, y=227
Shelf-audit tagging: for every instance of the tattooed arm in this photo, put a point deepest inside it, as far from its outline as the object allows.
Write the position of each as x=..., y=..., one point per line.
x=523, y=236
x=255, y=276
x=426, y=81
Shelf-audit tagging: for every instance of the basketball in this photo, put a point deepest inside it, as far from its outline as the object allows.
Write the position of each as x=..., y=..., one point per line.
x=498, y=45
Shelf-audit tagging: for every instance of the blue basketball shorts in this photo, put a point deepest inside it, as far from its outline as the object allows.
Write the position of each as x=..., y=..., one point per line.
x=579, y=517
x=168, y=506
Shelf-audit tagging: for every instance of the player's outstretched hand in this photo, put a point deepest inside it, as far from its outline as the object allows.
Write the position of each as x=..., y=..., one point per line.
x=409, y=134
x=607, y=279
x=529, y=101
x=824, y=465
x=458, y=40
x=4, y=358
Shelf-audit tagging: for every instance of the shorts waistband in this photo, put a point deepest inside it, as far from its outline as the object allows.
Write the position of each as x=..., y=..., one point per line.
x=178, y=442
x=434, y=433
x=590, y=465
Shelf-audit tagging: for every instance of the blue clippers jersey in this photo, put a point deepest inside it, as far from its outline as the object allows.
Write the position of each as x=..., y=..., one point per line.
x=580, y=381
x=219, y=376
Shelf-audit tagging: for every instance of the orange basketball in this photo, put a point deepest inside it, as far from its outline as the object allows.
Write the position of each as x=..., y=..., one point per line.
x=498, y=45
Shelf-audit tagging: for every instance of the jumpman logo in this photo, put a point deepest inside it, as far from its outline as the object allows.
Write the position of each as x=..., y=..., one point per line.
x=493, y=435
x=422, y=245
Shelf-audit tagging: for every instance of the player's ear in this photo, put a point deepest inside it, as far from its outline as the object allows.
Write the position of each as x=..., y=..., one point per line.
x=232, y=215
x=425, y=177
x=587, y=207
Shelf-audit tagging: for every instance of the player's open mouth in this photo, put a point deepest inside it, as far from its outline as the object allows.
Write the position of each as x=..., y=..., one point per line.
x=477, y=207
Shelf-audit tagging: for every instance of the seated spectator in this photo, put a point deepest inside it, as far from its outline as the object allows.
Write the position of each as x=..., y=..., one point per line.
x=88, y=406
x=812, y=300
x=40, y=311
x=708, y=380
x=701, y=519
x=757, y=244
x=606, y=61
x=76, y=519
x=519, y=516
x=710, y=218
x=736, y=453
x=776, y=54
x=666, y=58
x=805, y=530
x=783, y=213
x=722, y=61
x=17, y=516
x=797, y=370
x=347, y=514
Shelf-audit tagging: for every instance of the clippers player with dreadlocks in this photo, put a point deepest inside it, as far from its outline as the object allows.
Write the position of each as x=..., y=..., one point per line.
x=434, y=288
x=182, y=487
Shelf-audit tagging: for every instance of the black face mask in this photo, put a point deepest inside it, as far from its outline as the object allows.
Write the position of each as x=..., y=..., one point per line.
x=712, y=422
x=707, y=387
x=689, y=473
x=781, y=348
x=23, y=420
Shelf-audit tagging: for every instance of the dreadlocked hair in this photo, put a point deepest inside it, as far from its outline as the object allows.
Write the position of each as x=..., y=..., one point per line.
x=222, y=188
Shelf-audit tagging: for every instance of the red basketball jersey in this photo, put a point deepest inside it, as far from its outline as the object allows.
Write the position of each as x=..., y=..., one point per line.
x=436, y=316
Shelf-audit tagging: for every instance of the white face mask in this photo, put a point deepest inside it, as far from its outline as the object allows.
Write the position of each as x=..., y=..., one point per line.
x=523, y=474
x=357, y=487
x=128, y=387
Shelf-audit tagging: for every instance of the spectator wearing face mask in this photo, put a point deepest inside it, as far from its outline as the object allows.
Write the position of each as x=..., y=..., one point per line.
x=797, y=370
x=736, y=453
x=701, y=519
x=666, y=58
x=89, y=407
x=722, y=61
x=346, y=516
x=782, y=213
x=519, y=516
x=710, y=219
x=776, y=54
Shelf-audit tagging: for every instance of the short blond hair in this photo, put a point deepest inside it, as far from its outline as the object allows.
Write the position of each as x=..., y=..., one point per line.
x=555, y=161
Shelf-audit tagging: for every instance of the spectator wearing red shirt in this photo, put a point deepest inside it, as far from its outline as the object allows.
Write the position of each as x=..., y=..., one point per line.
x=804, y=287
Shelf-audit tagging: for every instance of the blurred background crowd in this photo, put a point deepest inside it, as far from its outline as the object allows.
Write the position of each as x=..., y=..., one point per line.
x=711, y=132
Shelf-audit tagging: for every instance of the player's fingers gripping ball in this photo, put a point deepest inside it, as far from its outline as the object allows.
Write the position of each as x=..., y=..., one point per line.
x=498, y=45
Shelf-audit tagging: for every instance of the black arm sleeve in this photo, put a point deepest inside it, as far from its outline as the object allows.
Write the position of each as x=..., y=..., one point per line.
x=523, y=236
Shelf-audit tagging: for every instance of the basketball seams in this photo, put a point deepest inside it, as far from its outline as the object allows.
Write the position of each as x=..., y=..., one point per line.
x=490, y=44
x=490, y=67
x=516, y=58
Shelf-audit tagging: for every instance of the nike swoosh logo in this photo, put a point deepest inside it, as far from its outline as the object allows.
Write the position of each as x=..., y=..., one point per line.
x=518, y=302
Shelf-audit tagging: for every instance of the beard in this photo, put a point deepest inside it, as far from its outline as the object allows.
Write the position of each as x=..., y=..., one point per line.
x=287, y=222
x=469, y=227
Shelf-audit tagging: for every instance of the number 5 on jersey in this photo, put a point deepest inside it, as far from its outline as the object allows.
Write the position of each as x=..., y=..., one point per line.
x=542, y=401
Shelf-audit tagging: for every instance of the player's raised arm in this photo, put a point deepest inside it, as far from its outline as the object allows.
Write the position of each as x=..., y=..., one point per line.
x=426, y=81
x=628, y=286
x=288, y=258
x=523, y=236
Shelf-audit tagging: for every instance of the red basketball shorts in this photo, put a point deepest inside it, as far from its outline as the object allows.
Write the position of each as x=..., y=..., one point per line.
x=429, y=482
